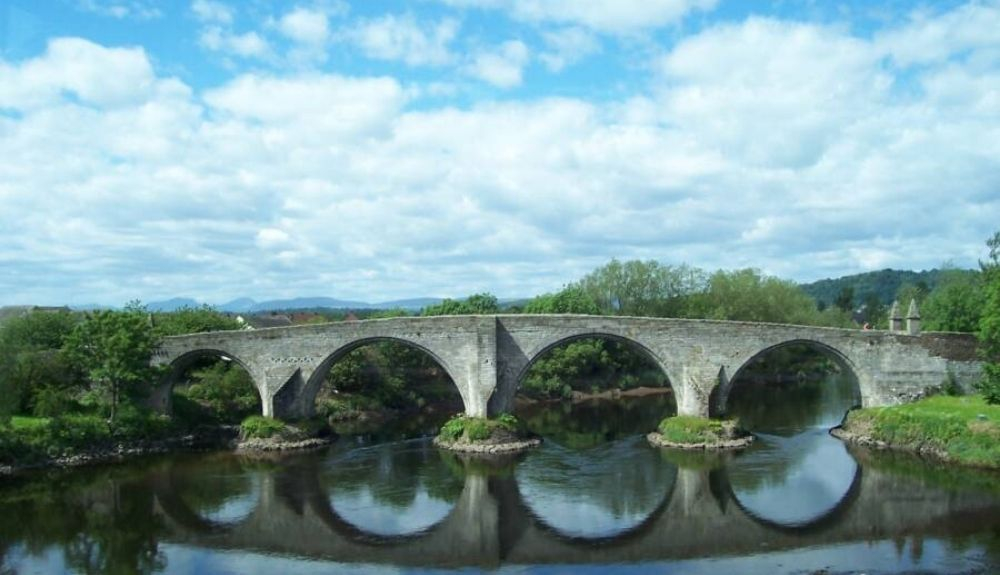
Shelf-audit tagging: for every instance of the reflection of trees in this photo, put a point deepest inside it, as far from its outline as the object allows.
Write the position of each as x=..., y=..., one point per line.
x=103, y=521
x=586, y=424
x=790, y=389
x=393, y=476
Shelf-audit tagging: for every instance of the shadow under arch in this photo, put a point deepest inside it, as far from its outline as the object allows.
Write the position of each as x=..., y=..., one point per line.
x=508, y=490
x=722, y=487
x=719, y=396
x=184, y=362
x=315, y=496
x=315, y=381
x=178, y=510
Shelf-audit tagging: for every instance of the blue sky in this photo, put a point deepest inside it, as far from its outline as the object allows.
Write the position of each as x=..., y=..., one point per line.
x=381, y=150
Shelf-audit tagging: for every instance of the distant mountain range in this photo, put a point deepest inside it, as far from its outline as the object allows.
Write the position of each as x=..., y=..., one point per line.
x=247, y=305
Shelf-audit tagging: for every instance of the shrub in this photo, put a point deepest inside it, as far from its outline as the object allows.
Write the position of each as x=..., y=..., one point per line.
x=689, y=429
x=260, y=427
x=477, y=428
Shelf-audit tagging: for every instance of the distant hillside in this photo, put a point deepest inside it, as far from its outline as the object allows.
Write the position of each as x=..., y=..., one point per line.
x=883, y=283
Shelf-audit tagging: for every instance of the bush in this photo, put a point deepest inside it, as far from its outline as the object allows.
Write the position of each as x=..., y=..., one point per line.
x=989, y=384
x=260, y=427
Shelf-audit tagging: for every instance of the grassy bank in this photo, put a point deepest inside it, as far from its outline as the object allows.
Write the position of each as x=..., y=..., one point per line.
x=685, y=430
x=961, y=429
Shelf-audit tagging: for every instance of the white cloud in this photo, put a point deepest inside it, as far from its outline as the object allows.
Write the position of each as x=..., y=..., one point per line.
x=403, y=38
x=933, y=38
x=246, y=45
x=610, y=16
x=209, y=11
x=121, y=9
x=81, y=68
x=502, y=66
x=568, y=46
x=305, y=26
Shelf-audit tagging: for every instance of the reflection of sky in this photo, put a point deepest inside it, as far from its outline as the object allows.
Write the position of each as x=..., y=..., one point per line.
x=937, y=556
x=801, y=478
x=599, y=492
x=365, y=512
x=236, y=508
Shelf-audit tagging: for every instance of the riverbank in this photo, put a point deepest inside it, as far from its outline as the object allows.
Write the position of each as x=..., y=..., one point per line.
x=39, y=443
x=685, y=432
x=963, y=430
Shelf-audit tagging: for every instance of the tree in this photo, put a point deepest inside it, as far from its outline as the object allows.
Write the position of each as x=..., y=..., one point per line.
x=33, y=375
x=643, y=288
x=956, y=304
x=194, y=320
x=114, y=348
x=748, y=295
x=478, y=304
x=845, y=299
x=571, y=299
x=989, y=323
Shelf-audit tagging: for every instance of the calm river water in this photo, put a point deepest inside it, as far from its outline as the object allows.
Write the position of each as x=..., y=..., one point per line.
x=594, y=498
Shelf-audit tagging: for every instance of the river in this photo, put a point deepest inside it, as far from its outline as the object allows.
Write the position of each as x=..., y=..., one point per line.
x=594, y=498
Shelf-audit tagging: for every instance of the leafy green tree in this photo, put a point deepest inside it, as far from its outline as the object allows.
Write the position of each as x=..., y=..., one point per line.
x=193, y=320
x=956, y=304
x=643, y=288
x=989, y=323
x=478, y=304
x=224, y=390
x=34, y=377
x=571, y=299
x=845, y=299
x=748, y=295
x=875, y=311
x=113, y=348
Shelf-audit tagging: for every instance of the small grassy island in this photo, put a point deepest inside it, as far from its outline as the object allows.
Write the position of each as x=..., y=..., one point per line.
x=688, y=432
x=964, y=430
x=505, y=434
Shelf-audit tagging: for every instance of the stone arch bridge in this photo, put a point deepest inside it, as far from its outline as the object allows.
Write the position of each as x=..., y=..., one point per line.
x=487, y=356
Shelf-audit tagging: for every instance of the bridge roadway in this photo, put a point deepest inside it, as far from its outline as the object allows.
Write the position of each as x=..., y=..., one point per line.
x=491, y=524
x=488, y=356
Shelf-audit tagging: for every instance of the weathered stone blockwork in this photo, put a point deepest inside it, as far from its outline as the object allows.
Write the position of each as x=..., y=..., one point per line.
x=488, y=356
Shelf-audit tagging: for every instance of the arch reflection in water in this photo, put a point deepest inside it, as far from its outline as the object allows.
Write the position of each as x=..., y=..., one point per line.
x=600, y=493
x=796, y=481
x=225, y=493
x=392, y=489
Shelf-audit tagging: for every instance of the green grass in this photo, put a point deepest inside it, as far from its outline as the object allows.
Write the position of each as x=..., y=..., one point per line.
x=260, y=427
x=25, y=423
x=466, y=428
x=965, y=428
x=690, y=430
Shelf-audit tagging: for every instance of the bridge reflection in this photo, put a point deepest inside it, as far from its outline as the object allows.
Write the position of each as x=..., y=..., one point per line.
x=511, y=511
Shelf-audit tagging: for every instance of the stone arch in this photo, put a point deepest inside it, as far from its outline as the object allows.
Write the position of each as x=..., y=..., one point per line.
x=161, y=396
x=719, y=397
x=512, y=370
x=315, y=380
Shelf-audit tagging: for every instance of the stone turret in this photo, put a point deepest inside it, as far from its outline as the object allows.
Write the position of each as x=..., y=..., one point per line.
x=895, y=318
x=913, y=319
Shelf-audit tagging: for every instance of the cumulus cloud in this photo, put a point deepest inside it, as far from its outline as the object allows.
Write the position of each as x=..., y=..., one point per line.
x=212, y=12
x=502, y=66
x=798, y=148
x=305, y=26
x=404, y=38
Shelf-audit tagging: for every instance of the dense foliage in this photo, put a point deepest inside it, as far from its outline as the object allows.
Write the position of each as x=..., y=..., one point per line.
x=478, y=304
x=989, y=323
x=884, y=284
